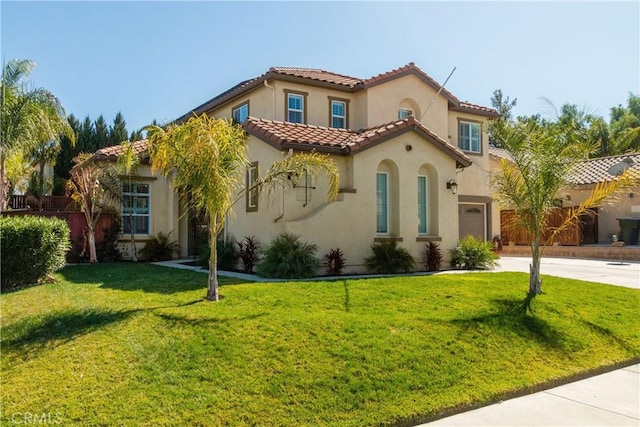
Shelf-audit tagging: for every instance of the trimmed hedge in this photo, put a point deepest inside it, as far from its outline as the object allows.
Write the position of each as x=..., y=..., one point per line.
x=31, y=248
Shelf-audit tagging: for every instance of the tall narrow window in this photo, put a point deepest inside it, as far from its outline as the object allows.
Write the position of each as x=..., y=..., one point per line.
x=240, y=113
x=338, y=114
x=470, y=138
x=382, y=203
x=295, y=108
x=423, y=217
x=252, y=193
x=136, y=208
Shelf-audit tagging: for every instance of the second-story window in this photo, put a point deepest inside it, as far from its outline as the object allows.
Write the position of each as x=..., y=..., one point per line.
x=338, y=114
x=470, y=138
x=295, y=107
x=240, y=113
x=403, y=113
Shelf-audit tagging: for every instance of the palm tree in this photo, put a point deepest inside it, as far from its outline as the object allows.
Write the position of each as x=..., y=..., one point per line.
x=543, y=156
x=127, y=164
x=28, y=116
x=206, y=159
x=97, y=189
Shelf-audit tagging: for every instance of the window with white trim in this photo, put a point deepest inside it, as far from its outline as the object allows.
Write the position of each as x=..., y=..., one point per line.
x=240, y=113
x=136, y=208
x=295, y=108
x=338, y=114
x=403, y=113
x=423, y=205
x=470, y=138
x=252, y=193
x=382, y=203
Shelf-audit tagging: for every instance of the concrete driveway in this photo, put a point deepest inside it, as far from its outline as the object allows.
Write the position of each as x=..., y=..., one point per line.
x=625, y=273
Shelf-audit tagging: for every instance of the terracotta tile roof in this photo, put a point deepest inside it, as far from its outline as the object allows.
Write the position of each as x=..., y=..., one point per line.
x=285, y=135
x=111, y=153
x=597, y=170
x=337, y=81
x=318, y=75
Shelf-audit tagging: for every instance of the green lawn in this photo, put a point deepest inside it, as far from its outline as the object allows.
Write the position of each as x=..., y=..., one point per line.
x=129, y=344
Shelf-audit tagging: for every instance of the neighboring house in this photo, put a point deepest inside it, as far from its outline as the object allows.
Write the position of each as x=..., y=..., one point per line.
x=399, y=140
x=583, y=180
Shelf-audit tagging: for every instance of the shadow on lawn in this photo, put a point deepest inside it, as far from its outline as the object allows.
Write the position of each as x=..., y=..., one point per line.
x=509, y=318
x=139, y=277
x=29, y=336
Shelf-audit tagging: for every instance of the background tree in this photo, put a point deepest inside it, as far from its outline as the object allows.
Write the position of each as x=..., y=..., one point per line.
x=102, y=133
x=625, y=125
x=206, y=159
x=504, y=107
x=127, y=164
x=543, y=157
x=28, y=116
x=96, y=187
x=118, y=131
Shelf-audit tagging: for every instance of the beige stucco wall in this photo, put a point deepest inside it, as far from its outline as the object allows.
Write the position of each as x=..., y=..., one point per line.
x=165, y=214
x=409, y=91
x=473, y=180
x=350, y=222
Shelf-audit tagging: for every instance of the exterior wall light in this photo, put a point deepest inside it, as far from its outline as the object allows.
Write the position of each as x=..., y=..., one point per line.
x=452, y=185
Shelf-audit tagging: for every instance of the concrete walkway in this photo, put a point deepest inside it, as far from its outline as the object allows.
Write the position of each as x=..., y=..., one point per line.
x=611, y=399
x=620, y=273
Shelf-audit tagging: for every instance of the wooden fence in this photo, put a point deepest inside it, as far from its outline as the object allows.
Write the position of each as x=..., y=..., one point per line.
x=581, y=231
x=47, y=203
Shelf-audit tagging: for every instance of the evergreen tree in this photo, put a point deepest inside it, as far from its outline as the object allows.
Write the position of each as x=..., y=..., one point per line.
x=118, y=132
x=86, y=142
x=101, y=133
x=64, y=161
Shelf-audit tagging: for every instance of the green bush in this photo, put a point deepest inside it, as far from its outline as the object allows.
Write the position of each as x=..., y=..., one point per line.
x=32, y=247
x=389, y=258
x=473, y=254
x=287, y=257
x=228, y=255
x=160, y=248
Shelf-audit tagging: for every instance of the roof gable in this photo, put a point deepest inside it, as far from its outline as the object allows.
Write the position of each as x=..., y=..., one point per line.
x=323, y=78
x=285, y=135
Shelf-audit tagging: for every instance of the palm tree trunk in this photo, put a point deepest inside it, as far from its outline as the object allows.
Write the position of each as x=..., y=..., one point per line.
x=3, y=185
x=212, y=292
x=535, y=282
x=93, y=257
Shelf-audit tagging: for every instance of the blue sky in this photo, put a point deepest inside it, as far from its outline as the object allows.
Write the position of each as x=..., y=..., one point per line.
x=157, y=60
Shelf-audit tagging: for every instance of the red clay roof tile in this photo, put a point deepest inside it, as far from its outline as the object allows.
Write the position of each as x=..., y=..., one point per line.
x=141, y=148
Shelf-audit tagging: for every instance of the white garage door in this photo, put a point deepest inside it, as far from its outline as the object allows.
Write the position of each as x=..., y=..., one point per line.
x=472, y=220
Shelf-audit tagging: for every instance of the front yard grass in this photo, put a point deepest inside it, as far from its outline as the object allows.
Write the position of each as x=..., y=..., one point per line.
x=136, y=344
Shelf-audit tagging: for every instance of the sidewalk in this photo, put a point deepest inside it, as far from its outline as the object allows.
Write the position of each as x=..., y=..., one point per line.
x=611, y=399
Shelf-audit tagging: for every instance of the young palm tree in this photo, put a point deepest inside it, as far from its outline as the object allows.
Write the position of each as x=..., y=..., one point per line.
x=127, y=164
x=543, y=157
x=28, y=117
x=206, y=159
x=97, y=189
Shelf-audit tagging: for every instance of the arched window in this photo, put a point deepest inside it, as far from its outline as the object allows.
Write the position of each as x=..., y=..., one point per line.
x=427, y=200
x=387, y=198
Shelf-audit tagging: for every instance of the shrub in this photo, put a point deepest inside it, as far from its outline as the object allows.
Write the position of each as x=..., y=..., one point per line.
x=159, y=248
x=31, y=248
x=287, y=257
x=107, y=249
x=248, y=249
x=432, y=256
x=335, y=261
x=228, y=255
x=389, y=258
x=473, y=254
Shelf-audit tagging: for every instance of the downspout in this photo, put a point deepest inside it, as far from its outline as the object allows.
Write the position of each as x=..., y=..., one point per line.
x=282, y=206
x=273, y=90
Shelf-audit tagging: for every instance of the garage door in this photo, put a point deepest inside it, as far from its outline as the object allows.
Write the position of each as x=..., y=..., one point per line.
x=472, y=220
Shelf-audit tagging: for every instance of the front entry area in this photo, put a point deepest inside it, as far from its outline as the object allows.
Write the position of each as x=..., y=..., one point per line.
x=472, y=219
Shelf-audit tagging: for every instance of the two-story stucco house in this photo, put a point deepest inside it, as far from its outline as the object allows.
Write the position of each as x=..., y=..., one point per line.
x=413, y=160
